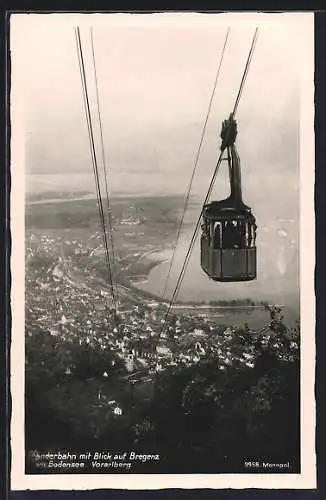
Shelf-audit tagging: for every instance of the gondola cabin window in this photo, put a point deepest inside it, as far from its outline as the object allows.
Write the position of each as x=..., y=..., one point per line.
x=218, y=234
x=234, y=234
x=230, y=234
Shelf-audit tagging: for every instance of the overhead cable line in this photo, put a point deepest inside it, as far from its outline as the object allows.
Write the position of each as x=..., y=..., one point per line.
x=103, y=158
x=195, y=164
x=210, y=188
x=94, y=159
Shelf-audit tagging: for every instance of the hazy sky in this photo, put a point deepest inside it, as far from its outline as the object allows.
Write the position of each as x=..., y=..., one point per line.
x=155, y=77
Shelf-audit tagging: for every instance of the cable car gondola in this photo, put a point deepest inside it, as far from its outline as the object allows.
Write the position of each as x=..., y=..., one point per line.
x=228, y=240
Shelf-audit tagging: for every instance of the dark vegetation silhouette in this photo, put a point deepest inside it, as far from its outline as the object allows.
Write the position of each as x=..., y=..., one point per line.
x=199, y=418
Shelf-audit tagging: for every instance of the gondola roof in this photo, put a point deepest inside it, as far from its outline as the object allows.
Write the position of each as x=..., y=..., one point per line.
x=226, y=209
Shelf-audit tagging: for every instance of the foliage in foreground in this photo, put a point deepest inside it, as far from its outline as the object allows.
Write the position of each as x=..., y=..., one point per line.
x=195, y=416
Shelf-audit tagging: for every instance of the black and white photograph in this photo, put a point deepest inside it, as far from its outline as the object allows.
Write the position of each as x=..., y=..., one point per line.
x=162, y=211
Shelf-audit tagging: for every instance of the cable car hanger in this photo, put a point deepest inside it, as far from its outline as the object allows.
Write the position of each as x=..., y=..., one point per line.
x=228, y=251
x=233, y=264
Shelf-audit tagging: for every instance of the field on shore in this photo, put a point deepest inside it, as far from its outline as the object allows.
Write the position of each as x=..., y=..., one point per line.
x=141, y=227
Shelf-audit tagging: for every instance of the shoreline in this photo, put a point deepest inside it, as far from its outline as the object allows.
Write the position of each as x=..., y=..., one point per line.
x=44, y=201
x=92, y=196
